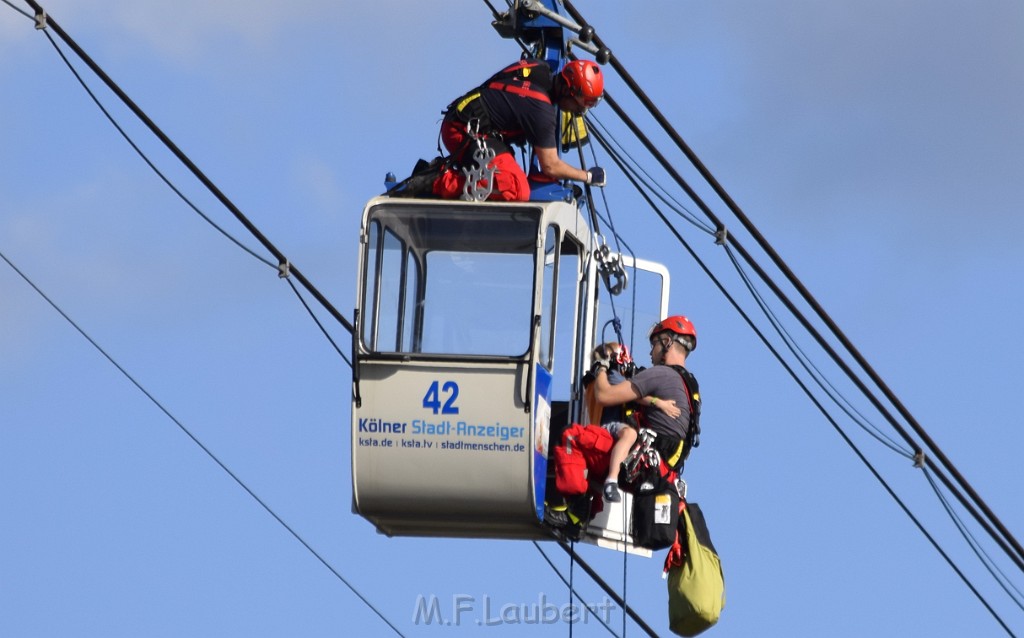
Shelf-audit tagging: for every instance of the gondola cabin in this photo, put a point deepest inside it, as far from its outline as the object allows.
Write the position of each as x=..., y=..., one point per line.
x=474, y=323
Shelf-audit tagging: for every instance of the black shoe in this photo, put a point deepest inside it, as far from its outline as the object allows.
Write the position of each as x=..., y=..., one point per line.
x=556, y=518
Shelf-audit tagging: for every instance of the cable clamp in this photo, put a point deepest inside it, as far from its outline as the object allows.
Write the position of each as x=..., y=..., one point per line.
x=41, y=19
x=721, y=236
x=284, y=269
x=919, y=459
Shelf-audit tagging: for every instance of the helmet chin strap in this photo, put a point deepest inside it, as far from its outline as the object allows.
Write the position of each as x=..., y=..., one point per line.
x=664, y=348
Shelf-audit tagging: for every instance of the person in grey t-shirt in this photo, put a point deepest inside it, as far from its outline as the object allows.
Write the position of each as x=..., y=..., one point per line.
x=671, y=341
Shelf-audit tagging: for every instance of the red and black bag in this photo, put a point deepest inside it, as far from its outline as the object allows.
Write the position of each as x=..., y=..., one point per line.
x=582, y=456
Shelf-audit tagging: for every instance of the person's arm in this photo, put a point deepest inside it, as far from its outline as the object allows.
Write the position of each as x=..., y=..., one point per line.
x=607, y=394
x=668, y=406
x=553, y=166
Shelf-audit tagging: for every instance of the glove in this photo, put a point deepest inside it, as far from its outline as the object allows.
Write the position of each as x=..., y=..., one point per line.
x=595, y=176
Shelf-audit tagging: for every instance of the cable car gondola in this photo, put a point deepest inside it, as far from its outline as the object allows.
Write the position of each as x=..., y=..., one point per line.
x=473, y=323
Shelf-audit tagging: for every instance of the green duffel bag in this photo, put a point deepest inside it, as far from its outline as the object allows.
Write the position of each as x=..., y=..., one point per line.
x=696, y=585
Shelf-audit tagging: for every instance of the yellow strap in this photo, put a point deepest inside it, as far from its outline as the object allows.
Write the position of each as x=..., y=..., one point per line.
x=672, y=460
x=465, y=101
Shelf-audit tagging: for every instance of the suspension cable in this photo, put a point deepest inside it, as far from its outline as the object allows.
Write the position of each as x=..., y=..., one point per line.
x=1009, y=545
x=849, y=442
x=43, y=17
x=813, y=303
x=209, y=453
x=19, y=10
x=348, y=326
x=997, y=574
x=731, y=239
x=605, y=139
x=1016, y=556
x=145, y=158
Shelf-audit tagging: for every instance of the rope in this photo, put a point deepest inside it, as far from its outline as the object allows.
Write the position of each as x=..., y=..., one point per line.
x=571, y=588
x=572, y=563
x=625, y=557
x=611, y=592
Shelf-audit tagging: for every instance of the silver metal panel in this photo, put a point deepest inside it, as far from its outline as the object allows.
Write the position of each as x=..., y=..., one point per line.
x=609, y=528
x=439, y=448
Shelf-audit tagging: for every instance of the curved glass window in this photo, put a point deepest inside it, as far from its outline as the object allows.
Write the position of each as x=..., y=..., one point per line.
x=455, y=280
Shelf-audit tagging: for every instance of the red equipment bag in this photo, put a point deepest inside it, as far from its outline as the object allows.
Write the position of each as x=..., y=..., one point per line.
x=510, y=183
x=582, y=457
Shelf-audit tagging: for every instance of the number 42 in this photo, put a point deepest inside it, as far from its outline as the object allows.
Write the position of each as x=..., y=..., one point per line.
x=432, y=399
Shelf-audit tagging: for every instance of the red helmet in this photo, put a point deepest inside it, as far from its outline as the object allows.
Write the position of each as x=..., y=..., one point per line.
x=677, y=324
x=584, y=78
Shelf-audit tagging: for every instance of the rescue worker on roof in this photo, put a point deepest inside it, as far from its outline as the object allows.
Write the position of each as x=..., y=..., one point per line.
x=519, y=104
x=671, y=341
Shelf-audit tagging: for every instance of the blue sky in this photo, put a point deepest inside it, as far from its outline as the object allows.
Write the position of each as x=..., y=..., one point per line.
x=877, y=145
